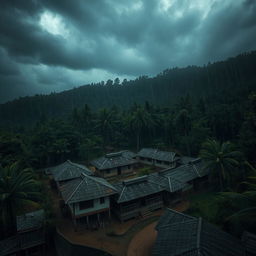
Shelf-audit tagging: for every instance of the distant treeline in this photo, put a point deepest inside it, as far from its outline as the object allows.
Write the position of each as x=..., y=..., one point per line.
x=221, y=84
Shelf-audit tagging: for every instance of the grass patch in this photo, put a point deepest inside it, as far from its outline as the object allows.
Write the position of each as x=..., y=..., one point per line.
x=204, y=205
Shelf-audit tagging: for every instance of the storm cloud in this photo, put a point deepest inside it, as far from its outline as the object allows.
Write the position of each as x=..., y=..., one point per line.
x=52, y=45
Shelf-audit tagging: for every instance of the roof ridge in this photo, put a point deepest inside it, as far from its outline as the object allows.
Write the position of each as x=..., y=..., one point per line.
x=198, y=239
x=181, y=213
x=99, y=181
x=122, y=193
x=170, y=184
x=75, y=190
x=195, y=169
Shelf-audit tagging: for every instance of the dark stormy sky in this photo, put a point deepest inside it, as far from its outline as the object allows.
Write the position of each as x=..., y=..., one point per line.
x=54, y=45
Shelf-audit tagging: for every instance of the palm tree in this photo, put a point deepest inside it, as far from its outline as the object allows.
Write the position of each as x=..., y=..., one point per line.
x=140, y=121
x=17, y=189
x=106, y=124
x=241, y=208
x=220, y=159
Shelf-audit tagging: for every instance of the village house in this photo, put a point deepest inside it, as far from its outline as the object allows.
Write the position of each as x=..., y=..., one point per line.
x=142, y=195
x=137, y=197
x=30, y=237
x=87, y=199
x=157, y=157
x=114, y=164
x=68, y=171
x=180, y=234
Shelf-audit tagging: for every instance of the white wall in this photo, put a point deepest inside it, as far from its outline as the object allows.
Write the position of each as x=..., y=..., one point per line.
x=97, y=206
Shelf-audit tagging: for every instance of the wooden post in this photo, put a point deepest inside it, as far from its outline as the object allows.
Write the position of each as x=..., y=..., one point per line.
x=87, y=220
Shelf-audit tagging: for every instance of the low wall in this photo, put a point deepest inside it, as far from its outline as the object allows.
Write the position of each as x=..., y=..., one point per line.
x=65, y=248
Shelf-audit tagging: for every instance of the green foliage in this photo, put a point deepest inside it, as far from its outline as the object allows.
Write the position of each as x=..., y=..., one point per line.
x=18, y=188
x=222, y=160
x=145, y=171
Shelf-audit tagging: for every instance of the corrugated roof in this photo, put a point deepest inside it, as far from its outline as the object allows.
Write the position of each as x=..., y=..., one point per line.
x=157, y=154
x=113, y=160
x=31, y=220
x=137, y=188
x=86, y=188
x=69, y=170
x=194, y=236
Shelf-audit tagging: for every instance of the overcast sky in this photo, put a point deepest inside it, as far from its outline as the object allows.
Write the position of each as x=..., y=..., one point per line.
x=53, y=45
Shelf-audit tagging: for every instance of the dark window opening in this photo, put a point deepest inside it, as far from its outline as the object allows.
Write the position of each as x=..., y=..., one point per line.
x=86, y=204
x=102, y=200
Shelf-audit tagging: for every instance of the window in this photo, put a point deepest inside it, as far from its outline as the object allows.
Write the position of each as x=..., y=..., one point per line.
x=129, y=167
x=86, y=204
x=102, y=200
x=108, y=171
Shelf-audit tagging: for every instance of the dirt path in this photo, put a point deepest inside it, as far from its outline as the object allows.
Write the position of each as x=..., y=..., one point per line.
x=142, y=243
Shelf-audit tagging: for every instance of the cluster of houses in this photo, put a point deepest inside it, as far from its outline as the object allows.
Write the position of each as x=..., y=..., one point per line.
x=90, y=199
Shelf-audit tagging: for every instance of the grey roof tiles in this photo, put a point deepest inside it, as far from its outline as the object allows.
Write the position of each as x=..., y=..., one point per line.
x=137, y=188
x=157, y=154
x=86, y=188
x=30, y=221
x=113, y=160
x=69, y=170
x=186, y=235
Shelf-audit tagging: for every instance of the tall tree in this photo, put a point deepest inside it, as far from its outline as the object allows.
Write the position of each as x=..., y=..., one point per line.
x=17, y=189
x=140, y=120
x=221, y=159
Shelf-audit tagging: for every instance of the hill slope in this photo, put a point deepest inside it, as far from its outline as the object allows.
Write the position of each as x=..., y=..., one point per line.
x=235, y=76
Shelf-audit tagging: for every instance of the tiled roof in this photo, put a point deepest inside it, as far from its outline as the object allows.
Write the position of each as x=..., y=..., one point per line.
x=21, y=241
x=171, y=217
x=194, y=236
x=113, y=160
x=136, y=188
x=157, y=154
x=169, y=183
x=69, y=170
x=86, y=188
x=186, y=172
x=30, y=221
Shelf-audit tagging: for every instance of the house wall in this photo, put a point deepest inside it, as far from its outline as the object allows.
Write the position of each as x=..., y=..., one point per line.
x=150, y=161
x=114, y=171
x=96, y=206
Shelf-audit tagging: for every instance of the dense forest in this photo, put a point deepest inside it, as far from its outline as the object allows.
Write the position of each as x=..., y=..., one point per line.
x=218, y=83
x=205, y=111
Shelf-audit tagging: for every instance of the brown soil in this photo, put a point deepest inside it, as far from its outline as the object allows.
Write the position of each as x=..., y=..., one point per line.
x=143, y=242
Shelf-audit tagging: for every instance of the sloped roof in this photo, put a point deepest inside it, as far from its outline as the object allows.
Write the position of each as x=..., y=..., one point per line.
x=86, y=188
x=29, y=221
x=169, y=183
x=170, y=217
x=69, y=170
x=194, y=236
x=136, y=188
x=21, y=241
x=113, y=160
x=186, y=172
x=249, y=241
x=157, y=154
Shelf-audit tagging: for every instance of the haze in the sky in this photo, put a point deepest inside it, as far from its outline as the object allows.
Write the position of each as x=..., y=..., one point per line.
x=53, y=45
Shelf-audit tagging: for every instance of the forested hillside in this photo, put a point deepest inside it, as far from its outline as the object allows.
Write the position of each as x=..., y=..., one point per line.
x=218, y=83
